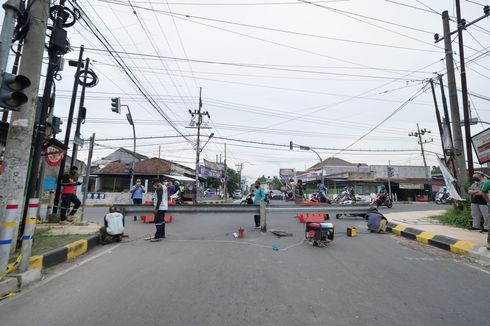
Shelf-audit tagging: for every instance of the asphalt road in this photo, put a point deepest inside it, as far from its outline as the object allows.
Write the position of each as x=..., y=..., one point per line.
x=202, y=275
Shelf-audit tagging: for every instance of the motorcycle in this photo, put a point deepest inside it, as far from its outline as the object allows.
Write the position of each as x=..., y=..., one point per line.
x=442, y=198
x=249, y=200
x=289, y=196
x=382, y=199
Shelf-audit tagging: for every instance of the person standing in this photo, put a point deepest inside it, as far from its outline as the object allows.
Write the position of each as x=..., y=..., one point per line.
x=68, y=195
x=161, y=205
x=479, y=207
x=137, y=192
x=259, y=197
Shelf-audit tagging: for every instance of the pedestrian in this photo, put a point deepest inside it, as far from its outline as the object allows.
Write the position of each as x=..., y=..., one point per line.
x=259, y=197
x=137, y=191
x=161, y=205
x=479, y=208
x=113, y=226
x=299, y=192
x=376, y=222
x=68, y=195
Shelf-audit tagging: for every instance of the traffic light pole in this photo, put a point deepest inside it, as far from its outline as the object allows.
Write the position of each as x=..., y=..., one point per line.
x=81, y=111
x=11, y=7
x=68, y=130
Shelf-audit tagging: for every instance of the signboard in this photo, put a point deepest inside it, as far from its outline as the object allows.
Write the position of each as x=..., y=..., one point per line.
x=447, y=141
x=209, y=173
x=53, y=156
x=287, y=174
x=411, y=186
x=214, y=166
x=78, y=140
x=481, y=144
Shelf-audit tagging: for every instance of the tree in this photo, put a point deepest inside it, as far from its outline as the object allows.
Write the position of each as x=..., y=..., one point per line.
x=276, y=183
x=262, y=179
x=233, y=181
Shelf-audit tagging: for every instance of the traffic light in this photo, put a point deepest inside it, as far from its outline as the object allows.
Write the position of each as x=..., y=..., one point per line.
x=116, y=105
x=11, y=95
x=291, y=145
x=391, y=171
x=56, y=124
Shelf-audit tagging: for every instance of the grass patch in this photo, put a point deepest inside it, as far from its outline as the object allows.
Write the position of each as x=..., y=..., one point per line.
x=459, y=218
x=44, y=242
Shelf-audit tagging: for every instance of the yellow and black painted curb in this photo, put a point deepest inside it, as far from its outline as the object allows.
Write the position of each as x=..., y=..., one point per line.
x=63, y=254
x=440, y=241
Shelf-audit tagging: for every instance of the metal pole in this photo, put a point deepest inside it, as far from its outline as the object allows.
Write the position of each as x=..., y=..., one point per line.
x=462, y=176
x=464, y=92
x=321, y=167
x=389, y=181
x=7, y=233
x=134, y=146
x=87, y=175
x=68, y=130
x=19, y=140
x=80, y=110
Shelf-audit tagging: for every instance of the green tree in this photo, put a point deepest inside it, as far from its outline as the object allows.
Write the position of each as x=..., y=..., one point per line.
x=435, y=169
x=233, y=181
x=276, y=183
x=262, y=179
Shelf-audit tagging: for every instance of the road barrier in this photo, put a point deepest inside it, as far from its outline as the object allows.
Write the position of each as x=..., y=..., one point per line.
x=263, y=210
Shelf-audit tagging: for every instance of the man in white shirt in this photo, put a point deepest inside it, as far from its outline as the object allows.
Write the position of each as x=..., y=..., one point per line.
x=161, y=205
x=113, y=226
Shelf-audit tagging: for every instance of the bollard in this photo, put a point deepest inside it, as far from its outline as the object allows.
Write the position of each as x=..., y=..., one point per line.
x=28, y=234
x=6, y=233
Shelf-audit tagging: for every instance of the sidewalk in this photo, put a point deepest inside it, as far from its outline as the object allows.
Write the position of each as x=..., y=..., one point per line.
x=421, y=220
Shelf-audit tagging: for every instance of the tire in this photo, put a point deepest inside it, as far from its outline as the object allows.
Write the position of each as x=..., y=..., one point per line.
x=389, y=204
x=337, y=216
x=438, y=202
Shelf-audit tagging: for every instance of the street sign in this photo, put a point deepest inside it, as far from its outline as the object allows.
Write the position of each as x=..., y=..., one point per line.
x=78, y=140
x=53, y=156
x=481, y=144
x=49, y=184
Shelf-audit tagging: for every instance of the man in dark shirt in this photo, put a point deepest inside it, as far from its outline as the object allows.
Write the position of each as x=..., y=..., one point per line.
x=479, y=207
x=68, y=195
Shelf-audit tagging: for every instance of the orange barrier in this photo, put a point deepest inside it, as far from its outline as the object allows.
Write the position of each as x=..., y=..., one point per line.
x=304, y=218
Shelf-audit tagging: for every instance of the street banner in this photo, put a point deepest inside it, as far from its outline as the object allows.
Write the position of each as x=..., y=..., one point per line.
x=481, y=145
x=287, y=174
x=449, y=180
x=446, y=140
x=214, y=166
x=206, y=172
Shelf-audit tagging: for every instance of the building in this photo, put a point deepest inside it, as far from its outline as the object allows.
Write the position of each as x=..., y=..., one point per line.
x=407, y=182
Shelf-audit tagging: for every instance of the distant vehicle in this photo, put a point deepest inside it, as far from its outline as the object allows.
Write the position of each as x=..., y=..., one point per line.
x=276, y=195
x=237, y=194
x=210, y=192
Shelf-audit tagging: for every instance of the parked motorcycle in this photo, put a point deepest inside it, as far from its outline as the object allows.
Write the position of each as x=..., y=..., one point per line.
x=382, y=199
x=249, y=200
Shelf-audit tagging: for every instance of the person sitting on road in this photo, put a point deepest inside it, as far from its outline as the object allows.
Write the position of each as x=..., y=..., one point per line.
x=376, y=222
x=113, y=228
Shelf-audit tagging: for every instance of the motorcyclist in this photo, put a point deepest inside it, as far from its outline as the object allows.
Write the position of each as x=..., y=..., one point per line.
x=299, y=191
x=322, y=192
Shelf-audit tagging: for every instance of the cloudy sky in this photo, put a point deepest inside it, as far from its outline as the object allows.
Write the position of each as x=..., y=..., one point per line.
x=325, y=74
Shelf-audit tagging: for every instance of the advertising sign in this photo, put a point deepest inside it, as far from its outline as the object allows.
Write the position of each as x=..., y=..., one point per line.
x=481, y=144
x=53, y=156
x=287, y=174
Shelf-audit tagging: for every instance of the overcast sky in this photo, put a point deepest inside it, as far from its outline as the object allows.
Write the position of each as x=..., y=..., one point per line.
x=274, y=71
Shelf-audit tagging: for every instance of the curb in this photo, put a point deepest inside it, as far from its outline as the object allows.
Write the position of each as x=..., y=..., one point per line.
x=63, y=254
x=456, y=246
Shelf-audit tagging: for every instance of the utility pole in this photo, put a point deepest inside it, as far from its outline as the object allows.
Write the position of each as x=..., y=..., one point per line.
x=225, y=188
x=12, y=8
x=68, y=130
x=390, y=171
x=438, y=117
x=196, y=123
x=459, y=155
x=19, y=139
x=419, y=133
x=87, y=174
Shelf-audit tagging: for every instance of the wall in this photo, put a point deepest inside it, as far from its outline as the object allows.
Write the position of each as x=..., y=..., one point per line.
x=111, y=198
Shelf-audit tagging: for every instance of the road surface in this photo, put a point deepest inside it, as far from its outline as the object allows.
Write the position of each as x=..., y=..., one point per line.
x=202, y=275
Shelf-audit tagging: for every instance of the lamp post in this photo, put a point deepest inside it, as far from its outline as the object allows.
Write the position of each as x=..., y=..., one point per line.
x=131, y=122
x=308, y=148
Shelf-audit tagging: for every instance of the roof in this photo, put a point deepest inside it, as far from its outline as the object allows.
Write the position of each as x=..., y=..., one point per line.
x=116, y=167
x=151, y=166
x=179, y=177
x=136, y=155
x=334, y=161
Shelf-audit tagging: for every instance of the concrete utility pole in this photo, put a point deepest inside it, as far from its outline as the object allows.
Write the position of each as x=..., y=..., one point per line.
x=12, y=8
x=225, y=188
x=81, y=112
x=459, y=155
x=87, y=175
x=19, y=139
x=438, y=117
x=197, y=124
x=419, y=133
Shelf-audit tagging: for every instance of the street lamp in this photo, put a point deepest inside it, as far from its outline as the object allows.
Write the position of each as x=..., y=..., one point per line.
x=308, y=148
x=209, y=138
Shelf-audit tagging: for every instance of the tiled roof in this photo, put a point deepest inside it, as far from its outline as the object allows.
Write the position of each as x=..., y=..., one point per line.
x=334, y=161
x=152, y=166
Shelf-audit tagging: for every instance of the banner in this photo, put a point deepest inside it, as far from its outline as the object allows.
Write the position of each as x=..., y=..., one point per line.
x=481, y=144
x=214, y=166
x=449, y=180
x=287, y=174
x=209, y=173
